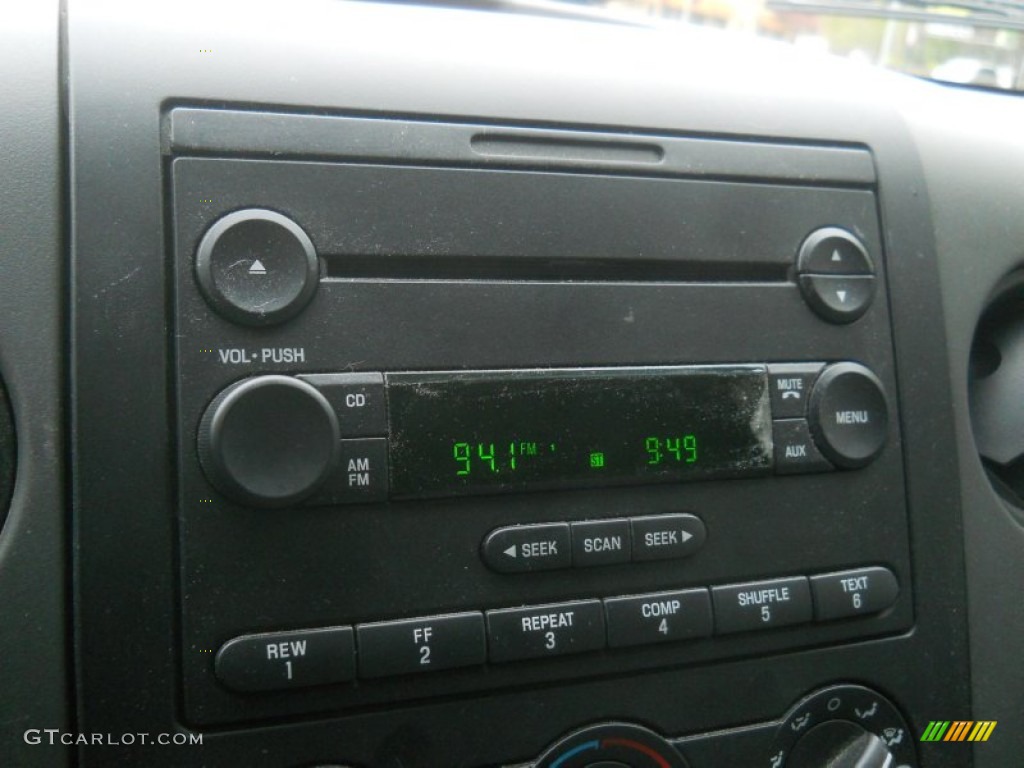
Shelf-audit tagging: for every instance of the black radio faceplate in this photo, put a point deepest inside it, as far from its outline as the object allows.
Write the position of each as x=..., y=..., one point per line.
x=499, y=589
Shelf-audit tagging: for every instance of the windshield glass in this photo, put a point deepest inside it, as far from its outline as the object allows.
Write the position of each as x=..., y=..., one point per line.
x=975, y=42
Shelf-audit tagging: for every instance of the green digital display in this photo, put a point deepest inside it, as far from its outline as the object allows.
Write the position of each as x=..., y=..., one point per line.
x=455, y=433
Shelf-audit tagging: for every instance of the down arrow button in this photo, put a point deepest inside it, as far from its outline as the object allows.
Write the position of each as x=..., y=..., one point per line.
x=838, y=299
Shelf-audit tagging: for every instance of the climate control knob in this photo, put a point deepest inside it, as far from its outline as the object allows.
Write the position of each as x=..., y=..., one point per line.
x=840, y=744
x=842, y=726
x=268, y=441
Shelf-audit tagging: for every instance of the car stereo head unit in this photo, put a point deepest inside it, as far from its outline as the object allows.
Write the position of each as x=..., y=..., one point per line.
x=437, y=422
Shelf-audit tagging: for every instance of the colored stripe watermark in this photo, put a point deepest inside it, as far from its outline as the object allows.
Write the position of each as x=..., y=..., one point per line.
x=959, y=730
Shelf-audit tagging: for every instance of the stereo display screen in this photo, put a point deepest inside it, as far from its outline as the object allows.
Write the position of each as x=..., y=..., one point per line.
x=455, y=433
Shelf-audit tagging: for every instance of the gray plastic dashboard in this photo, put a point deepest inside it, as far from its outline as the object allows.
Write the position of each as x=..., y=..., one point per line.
x=88, y=617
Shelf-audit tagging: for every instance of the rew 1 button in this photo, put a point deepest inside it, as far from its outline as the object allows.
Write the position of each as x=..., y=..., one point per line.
x=278, y=660
x=522, y=548
x=421, y=645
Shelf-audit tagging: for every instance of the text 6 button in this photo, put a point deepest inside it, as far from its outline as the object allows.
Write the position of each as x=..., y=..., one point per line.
x=853, y=593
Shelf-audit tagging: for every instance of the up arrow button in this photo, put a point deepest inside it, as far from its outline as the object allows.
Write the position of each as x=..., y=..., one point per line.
x=836, y=274
x=833, y=251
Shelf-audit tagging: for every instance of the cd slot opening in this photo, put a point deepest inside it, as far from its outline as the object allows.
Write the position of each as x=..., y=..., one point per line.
x=519, y=268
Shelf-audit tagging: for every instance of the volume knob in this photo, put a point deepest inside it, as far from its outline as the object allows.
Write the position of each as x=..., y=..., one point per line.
x=268, y=441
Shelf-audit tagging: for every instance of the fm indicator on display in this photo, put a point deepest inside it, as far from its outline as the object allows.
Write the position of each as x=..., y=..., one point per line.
x=455, y=433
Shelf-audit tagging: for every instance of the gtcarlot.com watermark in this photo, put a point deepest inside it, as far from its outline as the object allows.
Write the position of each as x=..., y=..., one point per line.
x=55, y=736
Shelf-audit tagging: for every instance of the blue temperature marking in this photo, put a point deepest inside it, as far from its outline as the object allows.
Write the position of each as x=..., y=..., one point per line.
x=574, y=751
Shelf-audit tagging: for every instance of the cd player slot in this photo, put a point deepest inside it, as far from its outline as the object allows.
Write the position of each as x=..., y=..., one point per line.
x=382, y=221
x=518, y=268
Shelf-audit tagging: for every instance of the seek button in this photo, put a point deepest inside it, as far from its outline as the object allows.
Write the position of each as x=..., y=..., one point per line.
x=522, y=548
x=666, y=537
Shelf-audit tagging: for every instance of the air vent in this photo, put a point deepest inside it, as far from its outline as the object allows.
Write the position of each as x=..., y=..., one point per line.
x=8, y=450
x=996, y=389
